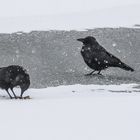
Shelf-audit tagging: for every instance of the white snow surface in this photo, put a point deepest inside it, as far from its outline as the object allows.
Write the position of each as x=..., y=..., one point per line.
x=119, y=16
x=74, y=112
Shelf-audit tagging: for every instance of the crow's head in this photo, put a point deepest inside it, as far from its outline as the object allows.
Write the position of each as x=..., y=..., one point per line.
x=89, y=40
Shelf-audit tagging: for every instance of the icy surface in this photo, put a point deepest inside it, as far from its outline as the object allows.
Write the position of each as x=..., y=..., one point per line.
x=77, y=112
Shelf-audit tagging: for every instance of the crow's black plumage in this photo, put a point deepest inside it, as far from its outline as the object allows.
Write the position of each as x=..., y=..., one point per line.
x=13, y=76
x=97, y=58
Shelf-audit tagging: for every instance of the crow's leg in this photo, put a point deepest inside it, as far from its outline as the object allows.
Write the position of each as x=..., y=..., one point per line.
x=13, y=93
x=90, y=73
x=9, y=94
x=99, y=72
x=21, y=95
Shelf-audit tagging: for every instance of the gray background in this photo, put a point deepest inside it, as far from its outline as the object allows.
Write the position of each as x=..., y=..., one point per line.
x=53, y=57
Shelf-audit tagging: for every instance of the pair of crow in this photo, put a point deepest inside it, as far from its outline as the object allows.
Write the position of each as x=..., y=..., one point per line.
x=95, y=56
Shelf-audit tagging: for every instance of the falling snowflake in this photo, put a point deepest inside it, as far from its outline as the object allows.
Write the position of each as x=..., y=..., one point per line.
x=114, y=44
x=33, y=51
x=118, y=50
x=106, y=61
x=96, y=59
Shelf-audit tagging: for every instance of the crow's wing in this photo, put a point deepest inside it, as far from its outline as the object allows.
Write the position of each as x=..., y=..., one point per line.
x=102, y=56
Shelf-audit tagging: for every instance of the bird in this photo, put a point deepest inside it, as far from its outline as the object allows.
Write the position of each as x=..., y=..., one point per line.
x=98, y=58
x=12, y=76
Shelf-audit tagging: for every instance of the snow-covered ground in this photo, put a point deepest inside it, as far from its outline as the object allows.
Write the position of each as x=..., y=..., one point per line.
x=119, y=16
x=75, y=112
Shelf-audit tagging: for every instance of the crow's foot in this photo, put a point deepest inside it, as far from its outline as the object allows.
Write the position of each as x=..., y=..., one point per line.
x=26, y=97
x=91, y=73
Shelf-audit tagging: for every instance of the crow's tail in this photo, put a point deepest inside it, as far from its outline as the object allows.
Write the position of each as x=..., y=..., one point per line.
x=125, y=67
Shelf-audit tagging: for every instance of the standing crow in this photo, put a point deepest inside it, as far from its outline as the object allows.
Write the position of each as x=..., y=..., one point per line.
x=97, y=58
x=13, y=76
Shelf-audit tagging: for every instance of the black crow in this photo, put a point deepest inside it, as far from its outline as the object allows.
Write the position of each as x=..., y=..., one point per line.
x=97, y=58
x=13, y=76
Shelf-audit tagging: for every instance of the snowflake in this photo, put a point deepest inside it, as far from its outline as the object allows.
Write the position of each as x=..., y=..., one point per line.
x=114, y=44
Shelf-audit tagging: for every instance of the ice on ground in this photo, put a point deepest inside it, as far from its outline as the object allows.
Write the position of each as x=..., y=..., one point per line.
x=75, y=112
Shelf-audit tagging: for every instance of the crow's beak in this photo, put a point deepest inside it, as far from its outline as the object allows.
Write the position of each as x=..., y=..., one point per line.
x=81, y=39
